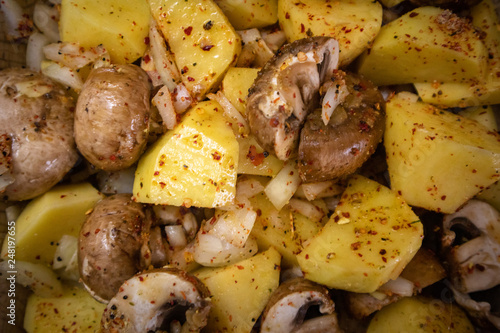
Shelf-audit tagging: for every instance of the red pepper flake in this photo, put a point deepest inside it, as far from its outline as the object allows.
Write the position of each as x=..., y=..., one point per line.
x=207, y=47
x=146, y=40
x=216, y=156
x=141, y=278
x=63, y=196
x=302, y=28
x=190, y=79
x=382, y=252
x=443, y=197
x=162, y=184
x=355, y=246
x=87, y=234
x=96, y=231
x=287, y=15
x=240, y=267
x=307, y=256
x=256, y=158
x=274, y=122
x=363, y=126
x=146, y=58
x=112, y=157
x=188, y=30
x=413, y=14
x=157, y=173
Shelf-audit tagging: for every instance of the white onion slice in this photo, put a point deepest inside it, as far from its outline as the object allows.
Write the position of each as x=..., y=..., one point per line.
x=46, y=19
x=17, y=22
x=34, y=50
x=231, y=112
x=212, y=251
x=163, y=102
x=176, y=236
x=62, y=74
x=334, y=96
x=307, y=208
x=282, y=187
x=72, y=55
x=181, y=98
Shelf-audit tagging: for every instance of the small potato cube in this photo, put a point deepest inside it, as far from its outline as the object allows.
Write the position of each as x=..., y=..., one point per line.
x=437, y=160
x=203, y=41
x=194, y=164
x=240, y=291
x=372, y=235
x=425, y=45
x=247, y=14
x=120, y=25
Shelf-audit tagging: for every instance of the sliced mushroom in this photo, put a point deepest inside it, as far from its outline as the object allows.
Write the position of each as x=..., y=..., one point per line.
x=286, y=89
x=153, y=301
x=36, y=125
x=287, y=308
x=471, y=244
x=112, y=245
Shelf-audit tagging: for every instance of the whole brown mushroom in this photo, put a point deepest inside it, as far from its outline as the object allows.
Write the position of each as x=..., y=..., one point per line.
x=112, y=116
x=36, y=127
x=113, y=245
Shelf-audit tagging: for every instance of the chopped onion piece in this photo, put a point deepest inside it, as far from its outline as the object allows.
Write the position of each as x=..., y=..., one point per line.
x=247, y=188
x=62, y=74
x=255, y=52
x=181, y=98
x=168, y=214
x=274, y=38
x=39, y=278
x=335, y=95
x=46, y=19
x=18, y=24
x=317, y=190
x=163, y=58
x=113, y=182
x=34, y=50
x=66, y=258
x=104, y=60
x=231, y=112
x=282, y=187
x=212, y=251
x=72, y=55
x=176, y=236
x=233, y=226
x=307, y=208
x=163, y=102
x=399, y=286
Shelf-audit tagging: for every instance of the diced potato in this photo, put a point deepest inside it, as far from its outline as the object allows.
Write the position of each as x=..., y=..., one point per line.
x=369, y=239
x=437, y=160
x=235, y=86
x=477, y=91
x=60, y=211
x=425, y=45
x=483, y=115
x=491, y=195
x=253, y=160
x=203, y=41
x=283, y=230
x=354, y=23
x=247, y=14
x=418, y=314
x=240, y=291
x=193, y=164
x=75, y=311
x=120, y=25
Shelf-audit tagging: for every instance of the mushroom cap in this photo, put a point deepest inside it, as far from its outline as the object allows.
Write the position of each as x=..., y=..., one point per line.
x=286, y=89
x=36, y=114
x=340, y=147
x=110, y=244
x=146, y=302
x=287, y=307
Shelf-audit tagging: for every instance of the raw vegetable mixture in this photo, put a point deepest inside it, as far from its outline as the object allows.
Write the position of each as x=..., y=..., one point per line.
x=250, y=166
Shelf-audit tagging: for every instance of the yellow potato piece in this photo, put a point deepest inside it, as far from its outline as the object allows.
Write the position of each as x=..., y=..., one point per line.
x=241, y=291
x=75, y=311
x=120, y=25
x=195, y=164
x=353, y=23
x=247, y=14
x=425, y=45
x=372, y=235
x=203, y=41
x=60, y=211
x=437, y=160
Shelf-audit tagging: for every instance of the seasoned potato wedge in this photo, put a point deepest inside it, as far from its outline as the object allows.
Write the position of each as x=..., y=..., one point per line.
x=372, y=235
x=354, y=23
x=203, y=41
x=425, y=45
x=60, y=211
x=417, y=314
x=479, y=90
x=247, y=14
x=240, y=291
x=235, y=86
x=437, y=160
x=193, y=164
x=126, y=23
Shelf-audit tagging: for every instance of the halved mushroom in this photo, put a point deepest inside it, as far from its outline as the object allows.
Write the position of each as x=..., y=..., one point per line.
x=158, y=300
x=286, y=89
x=288, y=305
x=300, y=95
x=36, y=125
x=471, y=245
x=113, y=245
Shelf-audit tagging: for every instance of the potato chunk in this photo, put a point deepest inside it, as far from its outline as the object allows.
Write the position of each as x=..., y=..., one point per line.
x=247, y=14
x=368, y=240
x=203, y=41
x=120, y=25
x=193, y=164
x=60, y=211
x=477, y=91
x=437, y=160
x=417, y=314
x=425, y=45
x=240, y=292
x=353, y=23
x=74, y=311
